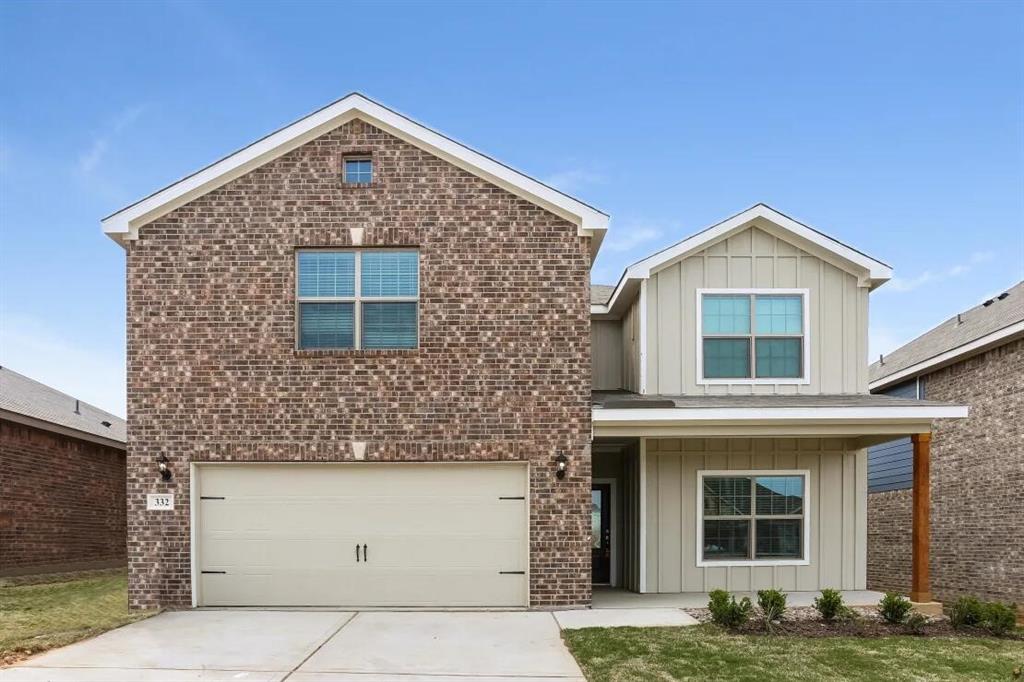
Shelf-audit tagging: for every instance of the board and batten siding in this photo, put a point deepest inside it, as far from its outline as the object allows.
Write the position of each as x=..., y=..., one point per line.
x=606, y=354
x=631, y=347
x=837, y=513
x=753, y=258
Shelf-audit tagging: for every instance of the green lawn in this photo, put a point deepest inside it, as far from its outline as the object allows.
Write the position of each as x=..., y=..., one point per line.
x=703, y=652
x=34, y=618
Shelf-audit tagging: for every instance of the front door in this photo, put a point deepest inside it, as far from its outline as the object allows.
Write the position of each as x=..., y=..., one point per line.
x=601, y=532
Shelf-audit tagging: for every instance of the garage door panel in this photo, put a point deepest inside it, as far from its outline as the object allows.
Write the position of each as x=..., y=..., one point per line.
x=437, y=534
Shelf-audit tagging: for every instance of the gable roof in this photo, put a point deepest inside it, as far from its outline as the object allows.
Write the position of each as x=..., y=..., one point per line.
x=125, y=223
x=27, y=401
x=871, y=272
x=996, y=321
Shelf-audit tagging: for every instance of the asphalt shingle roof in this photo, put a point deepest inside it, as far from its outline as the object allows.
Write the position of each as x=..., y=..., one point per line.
x=626, y=400
x=600, y=293
x=28, y=397
x=979, y=321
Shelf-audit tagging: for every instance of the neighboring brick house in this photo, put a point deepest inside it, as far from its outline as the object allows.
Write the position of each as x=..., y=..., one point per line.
x=977, y=471
x=62, y=481
x=360, y=374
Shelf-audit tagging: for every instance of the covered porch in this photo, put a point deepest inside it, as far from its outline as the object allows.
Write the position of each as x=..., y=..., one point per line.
x=695, y=493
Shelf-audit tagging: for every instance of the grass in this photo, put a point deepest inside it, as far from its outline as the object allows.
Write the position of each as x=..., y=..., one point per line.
x=703, y=652
x=38, y=617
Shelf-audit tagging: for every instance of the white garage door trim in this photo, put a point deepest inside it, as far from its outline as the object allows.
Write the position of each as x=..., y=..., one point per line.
x=195, y=469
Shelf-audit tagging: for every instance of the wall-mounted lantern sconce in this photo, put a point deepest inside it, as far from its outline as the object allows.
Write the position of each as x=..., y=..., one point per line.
x=560, y=465
x=161, y=463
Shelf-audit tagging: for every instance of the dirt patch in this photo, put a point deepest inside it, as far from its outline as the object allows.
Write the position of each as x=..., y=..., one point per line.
x=863, y=622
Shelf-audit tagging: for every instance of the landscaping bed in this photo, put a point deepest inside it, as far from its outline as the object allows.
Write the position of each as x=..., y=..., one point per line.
x=865, y=621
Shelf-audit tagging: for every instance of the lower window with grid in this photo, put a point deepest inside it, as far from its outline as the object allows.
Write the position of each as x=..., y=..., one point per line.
x=753, y=517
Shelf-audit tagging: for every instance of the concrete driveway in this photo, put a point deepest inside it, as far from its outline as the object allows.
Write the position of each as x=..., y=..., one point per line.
x=315, y=646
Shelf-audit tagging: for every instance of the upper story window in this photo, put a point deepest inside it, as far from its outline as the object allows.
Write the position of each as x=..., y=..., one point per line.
x=358, y=170
x=749, y=517
x=365, y=299
x=753, y=336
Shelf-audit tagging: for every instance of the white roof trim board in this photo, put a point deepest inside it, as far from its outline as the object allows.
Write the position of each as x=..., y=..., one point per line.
x=871, y=272
x=763, y=415
x=125, y=224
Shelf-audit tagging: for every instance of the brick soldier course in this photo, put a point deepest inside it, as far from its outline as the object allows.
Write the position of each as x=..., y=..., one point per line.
x=502, y=370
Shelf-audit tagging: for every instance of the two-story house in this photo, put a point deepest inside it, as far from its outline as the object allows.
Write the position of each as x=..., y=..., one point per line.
x=360, y=367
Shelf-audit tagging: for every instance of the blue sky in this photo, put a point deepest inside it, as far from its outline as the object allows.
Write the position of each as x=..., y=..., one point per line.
x=896, y=127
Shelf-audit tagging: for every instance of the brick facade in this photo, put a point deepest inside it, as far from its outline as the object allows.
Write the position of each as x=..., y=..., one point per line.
x=977, y=478
x=502, y=371
x=62, y=502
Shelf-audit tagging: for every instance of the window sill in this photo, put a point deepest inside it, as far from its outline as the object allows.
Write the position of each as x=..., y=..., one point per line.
x=753, y=562
x=356, y=185
x=355, y=352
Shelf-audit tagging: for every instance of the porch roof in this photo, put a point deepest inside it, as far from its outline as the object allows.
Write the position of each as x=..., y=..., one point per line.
x=871, y=418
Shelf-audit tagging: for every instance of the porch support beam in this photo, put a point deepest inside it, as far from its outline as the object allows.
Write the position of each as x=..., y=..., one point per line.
x=920, y=583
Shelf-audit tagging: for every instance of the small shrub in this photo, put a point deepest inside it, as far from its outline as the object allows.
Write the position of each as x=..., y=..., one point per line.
x=772, y=604
x=894, y=608
x=966, y=612
x=916, y=622
x=830, y=605
x=726, y=611
x=999, y=619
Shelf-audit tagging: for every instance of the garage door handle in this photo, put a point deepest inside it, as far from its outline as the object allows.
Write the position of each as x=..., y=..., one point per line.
x=366, y=555
x=357, y=552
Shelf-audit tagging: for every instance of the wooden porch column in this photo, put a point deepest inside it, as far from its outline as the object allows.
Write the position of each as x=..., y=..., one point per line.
x=920, y=583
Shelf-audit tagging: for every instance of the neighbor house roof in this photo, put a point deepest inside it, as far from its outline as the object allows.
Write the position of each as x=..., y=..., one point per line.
x=600, y=293
x=29, y=402
x=870, y=272
x=994, y=322
x=125, y=223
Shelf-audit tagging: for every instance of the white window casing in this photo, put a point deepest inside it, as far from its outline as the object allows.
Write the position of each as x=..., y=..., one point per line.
x=754, y=473
x=805, y=377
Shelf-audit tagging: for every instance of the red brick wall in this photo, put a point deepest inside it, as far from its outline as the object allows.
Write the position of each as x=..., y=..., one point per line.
x=62, y=502
x=977, y=477
x=502, y=371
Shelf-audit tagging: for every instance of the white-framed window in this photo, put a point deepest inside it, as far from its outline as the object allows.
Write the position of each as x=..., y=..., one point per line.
x=756, y=517
x=357, y=170
x=357, y=298
x=753, y=336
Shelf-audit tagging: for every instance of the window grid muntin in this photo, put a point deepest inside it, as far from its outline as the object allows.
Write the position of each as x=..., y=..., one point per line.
x=753, y=335
x=360, y=176
x=754, y=517
x=356, y=299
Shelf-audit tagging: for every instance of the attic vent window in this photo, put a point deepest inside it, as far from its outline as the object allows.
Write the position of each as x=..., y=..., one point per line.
x=358, y=170
x=107, y=424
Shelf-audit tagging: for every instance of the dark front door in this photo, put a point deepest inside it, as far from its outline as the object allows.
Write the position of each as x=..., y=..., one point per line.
x=601, y=532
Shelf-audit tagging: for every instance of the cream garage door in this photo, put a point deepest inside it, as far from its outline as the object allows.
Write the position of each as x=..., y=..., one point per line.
x=382, y=534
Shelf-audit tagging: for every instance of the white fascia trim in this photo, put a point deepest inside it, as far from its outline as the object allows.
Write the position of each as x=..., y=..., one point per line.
x=125, y=223
x=877, y=271
x=706, y=563
x=767, y=415
x=949, y=357
x=805, y=295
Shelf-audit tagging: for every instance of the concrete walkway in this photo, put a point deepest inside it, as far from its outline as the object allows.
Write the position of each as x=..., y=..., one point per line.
x=315, y=646
x=615, y=598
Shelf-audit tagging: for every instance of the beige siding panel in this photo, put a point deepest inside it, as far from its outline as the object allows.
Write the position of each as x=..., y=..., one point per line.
x=669, y=524
x=836, y=513
x=669, y=330
x=755, y=258
x=607, y=354
x=631, y=347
